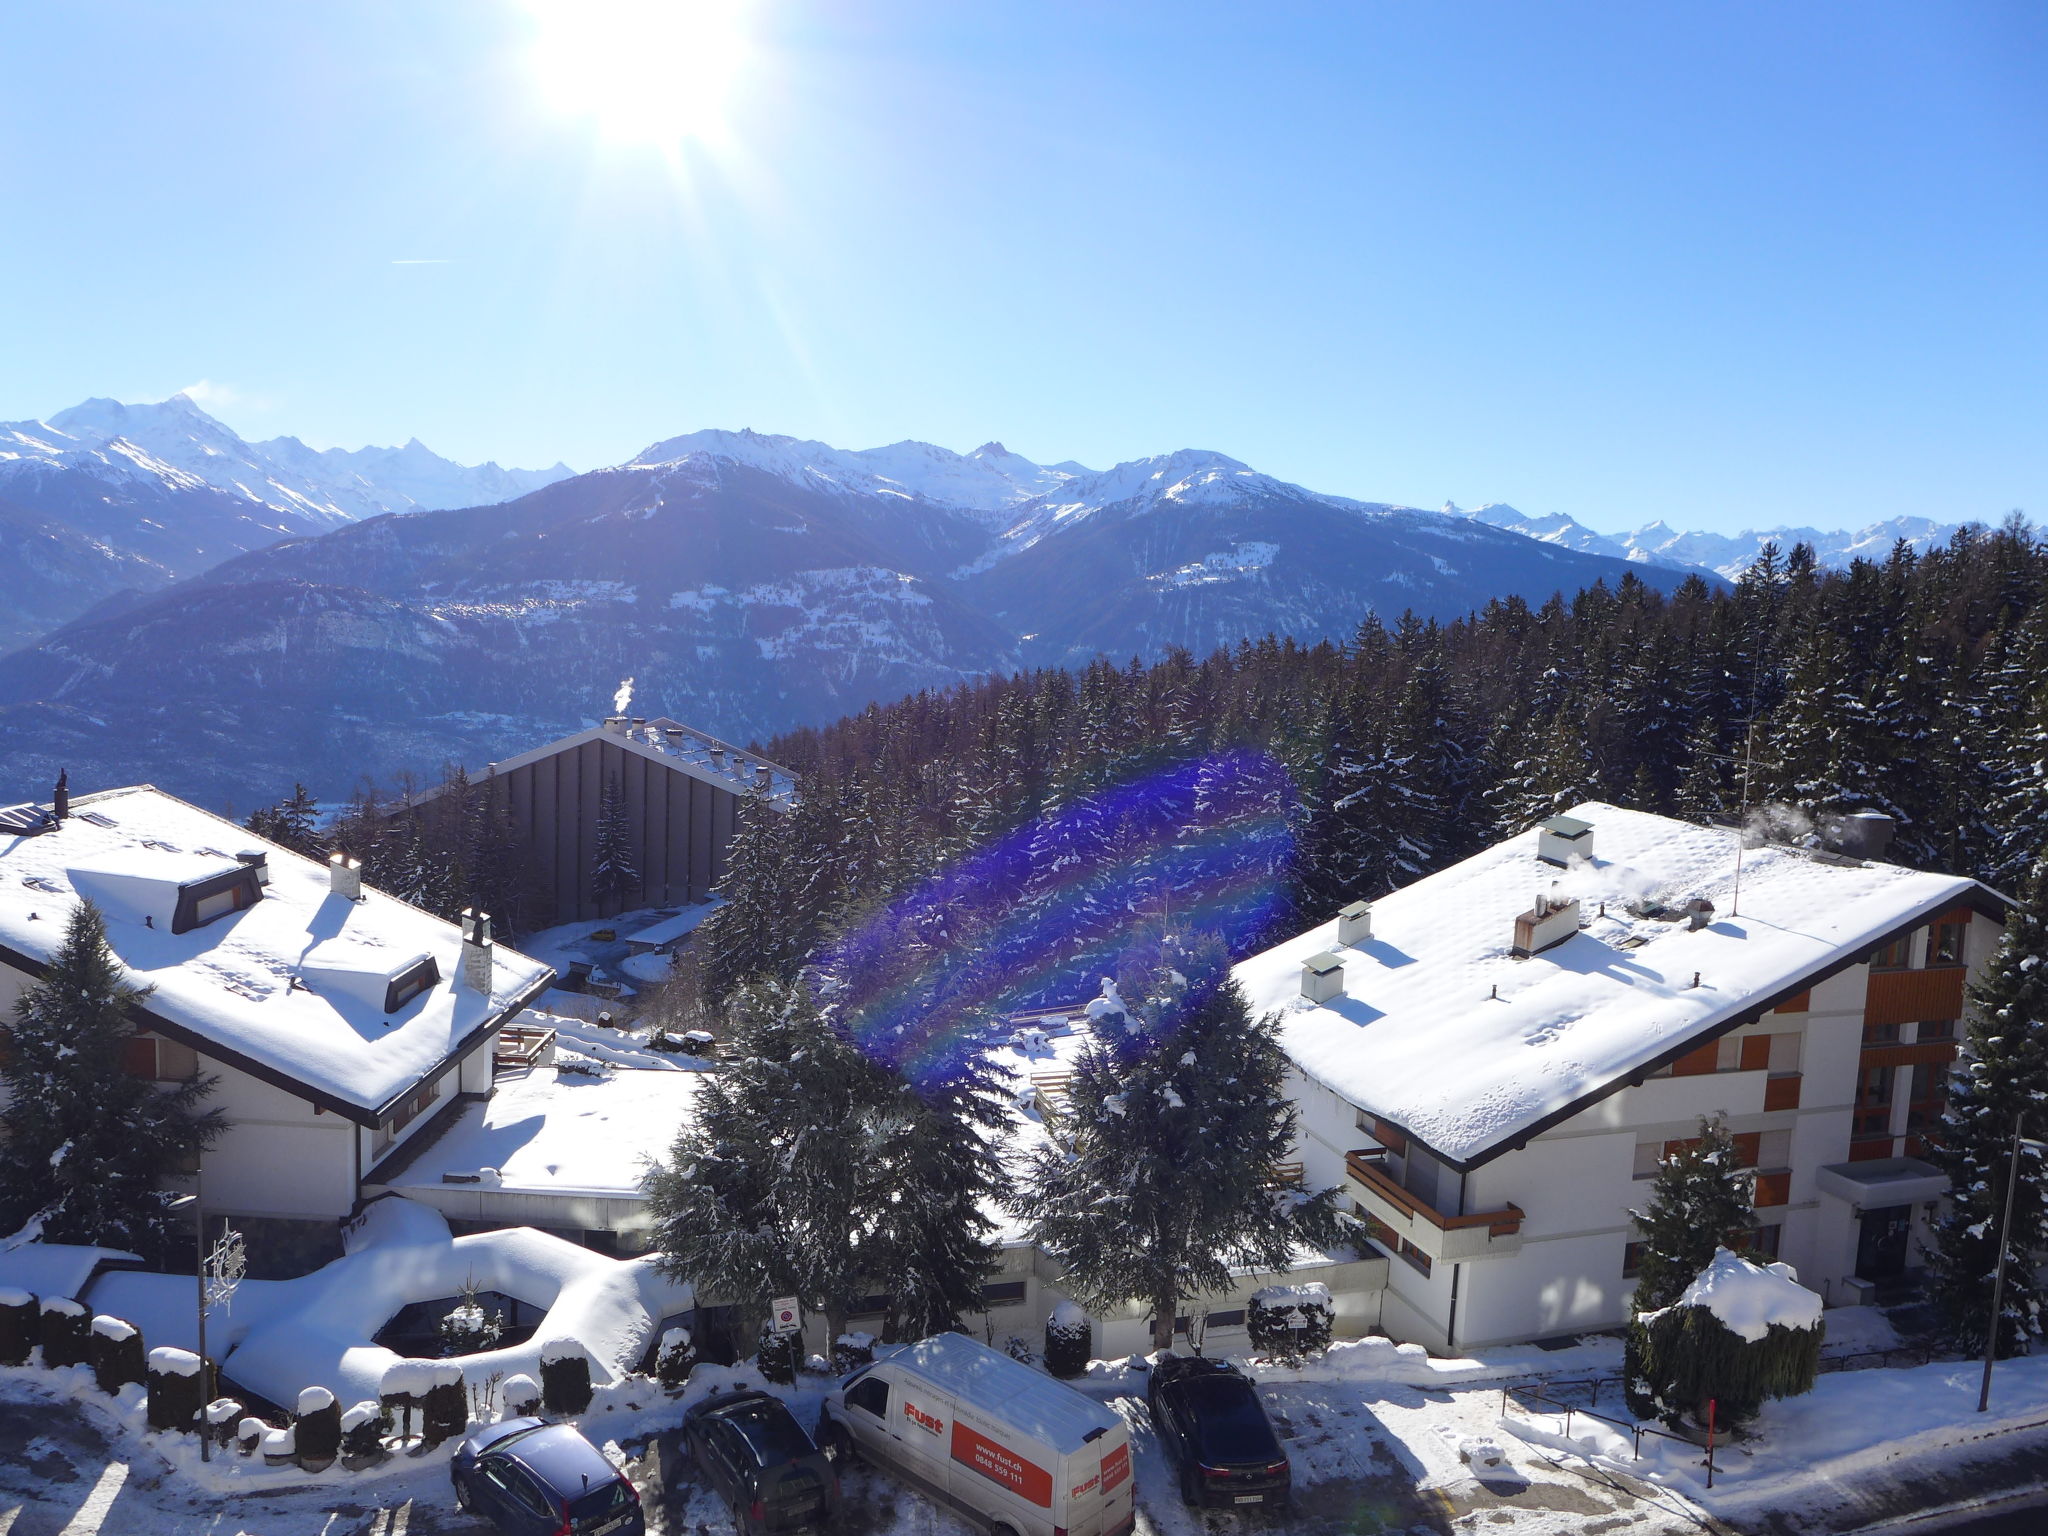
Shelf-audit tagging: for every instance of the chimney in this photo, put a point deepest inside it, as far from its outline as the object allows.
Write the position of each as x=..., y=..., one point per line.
x=1354, y=923
x=1564, y=838
x=1322, y=977
x=60, y=797
x=616, y=724
x=257, y=860
x=476, y=950
x=1548, y=923
x=764, y=776
x=718, y=758
x=345, y=876
x=674, y=734
x=1860, y=834
x=1698, y=913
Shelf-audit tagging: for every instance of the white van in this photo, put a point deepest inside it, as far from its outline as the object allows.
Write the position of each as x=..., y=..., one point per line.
x=1017, y=1452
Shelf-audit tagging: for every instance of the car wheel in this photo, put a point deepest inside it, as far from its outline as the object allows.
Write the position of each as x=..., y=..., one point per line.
x=837, y=1443
x=999, y=1529
x=461, y=1493
x=1190, y=1488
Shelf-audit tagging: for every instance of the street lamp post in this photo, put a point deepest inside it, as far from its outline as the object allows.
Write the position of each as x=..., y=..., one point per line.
x=215, y=1274
x=2012, y=1184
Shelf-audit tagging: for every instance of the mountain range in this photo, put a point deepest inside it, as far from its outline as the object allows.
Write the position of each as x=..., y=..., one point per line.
x=106, y=498
x=749, y=583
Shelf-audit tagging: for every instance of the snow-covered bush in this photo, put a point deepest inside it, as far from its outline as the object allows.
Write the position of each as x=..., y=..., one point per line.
x=18, y=1331
x=779, y=1356
x=851, y=1351
x=521, y=1397
x=1018, y=1348
x=318, y=1429
x=116, y=1354
x=222, y=1415
x=176, y=1388
x=280, y=1447
x=362, y=1436
x=66, y=1332
x=403, y=1394
x=1069, y=1341
x=1740, y=1333
x=1291, y=1323
x=249, y=1435
x=470, y=1327
x=564, y=1377
x=444, y=1412
x=675, y=1358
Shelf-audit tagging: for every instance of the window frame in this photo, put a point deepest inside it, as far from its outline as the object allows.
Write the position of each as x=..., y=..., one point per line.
x=238, y=884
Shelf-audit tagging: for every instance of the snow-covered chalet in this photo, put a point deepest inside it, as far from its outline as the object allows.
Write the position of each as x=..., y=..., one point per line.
x=339, y=1023
x=1491, y=1062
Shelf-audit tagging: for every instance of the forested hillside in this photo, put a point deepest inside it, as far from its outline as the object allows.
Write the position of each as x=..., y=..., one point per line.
x=994, y=845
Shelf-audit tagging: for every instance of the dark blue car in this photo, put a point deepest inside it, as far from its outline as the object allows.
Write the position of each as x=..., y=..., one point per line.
x=531, y=1478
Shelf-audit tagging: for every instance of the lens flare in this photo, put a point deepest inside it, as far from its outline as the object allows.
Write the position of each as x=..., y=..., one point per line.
x=1034, y=918
x=644, y=71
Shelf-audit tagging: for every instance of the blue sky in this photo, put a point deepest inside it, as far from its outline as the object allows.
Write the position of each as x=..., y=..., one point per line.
x=1722, y=264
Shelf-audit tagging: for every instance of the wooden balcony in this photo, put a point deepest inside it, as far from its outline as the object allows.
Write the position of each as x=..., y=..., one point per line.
x=521, y=1047
x=1904, y=997
x=1449, y=1239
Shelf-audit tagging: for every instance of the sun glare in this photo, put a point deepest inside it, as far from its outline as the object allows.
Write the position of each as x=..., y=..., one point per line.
x=648, y=71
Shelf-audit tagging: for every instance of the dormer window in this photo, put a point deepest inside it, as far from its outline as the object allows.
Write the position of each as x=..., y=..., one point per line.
x=410, y=984
x=209, y=900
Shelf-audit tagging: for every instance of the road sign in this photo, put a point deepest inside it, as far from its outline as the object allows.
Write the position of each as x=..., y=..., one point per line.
x=784, y=1316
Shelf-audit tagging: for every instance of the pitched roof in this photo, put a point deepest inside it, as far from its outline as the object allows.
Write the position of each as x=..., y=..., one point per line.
x=674, y=745
x=1441, y=1031
x=241, y=988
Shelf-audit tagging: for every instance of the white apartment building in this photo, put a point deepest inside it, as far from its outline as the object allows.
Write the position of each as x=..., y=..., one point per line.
x=339, y=1024
x=1491, y=1061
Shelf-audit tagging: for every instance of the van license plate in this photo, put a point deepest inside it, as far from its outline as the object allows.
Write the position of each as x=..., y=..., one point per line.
x=617, y=1522
x=1251, y=1498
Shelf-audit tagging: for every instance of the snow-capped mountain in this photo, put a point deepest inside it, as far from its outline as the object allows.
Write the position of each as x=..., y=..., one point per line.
x=140, y=495
x=1725, y=554
x=749, y=583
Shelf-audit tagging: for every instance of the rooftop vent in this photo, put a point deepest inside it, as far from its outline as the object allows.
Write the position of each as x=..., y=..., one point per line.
x=616, y=724
x=1354, y=923
x=257, y=860
x=1698, y=913
x=1564, y=838
x=1548, y=923
x=1322, y=977
x=764, y=776
x=345, y=876
x=718, y=758
x=1859, y=835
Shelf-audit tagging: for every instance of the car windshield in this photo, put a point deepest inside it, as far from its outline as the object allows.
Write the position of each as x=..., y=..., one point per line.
x=771, y=1434
x=599, y=1502
x=1228, y=1422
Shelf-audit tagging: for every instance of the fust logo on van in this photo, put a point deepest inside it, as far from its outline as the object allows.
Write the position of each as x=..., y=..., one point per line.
x=922, y=1419
x=1080, y=1488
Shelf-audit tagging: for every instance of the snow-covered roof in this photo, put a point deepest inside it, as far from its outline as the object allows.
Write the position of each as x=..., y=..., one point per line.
x=675, y=745
x=248, y=988
x=669, y=929
x=1050, y=1411
x=1440, y=1030
x=55, y=1269
x=550, y=1133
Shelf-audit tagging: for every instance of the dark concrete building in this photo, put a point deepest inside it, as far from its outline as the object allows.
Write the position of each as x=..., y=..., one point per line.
x=682, y=791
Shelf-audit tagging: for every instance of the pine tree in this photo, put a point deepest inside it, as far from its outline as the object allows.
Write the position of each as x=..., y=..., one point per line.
x=82, y=1143
x=2001, y=1083
x=291, y=823
x=1177, y=1113
x=614, y=874
x=1701, y=1199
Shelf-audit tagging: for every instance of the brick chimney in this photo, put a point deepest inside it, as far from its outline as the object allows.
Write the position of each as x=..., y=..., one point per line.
x=476, y=950
x=1354, y=923
x=1322, y=977
x=345, y=876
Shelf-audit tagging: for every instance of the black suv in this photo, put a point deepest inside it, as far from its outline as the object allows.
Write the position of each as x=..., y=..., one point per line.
x=760, y=1461
x=1212, y=1423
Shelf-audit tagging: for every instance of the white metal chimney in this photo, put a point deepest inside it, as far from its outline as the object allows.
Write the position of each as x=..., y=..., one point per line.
x=476, y=950
x=616, y=725
x=764, y=776
x=1322, y=977
x=1354, y=923
x=1564, y=838
x=345, y=876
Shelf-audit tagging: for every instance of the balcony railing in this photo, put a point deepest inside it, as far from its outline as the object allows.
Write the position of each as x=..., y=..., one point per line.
x=520, y=1047
x=1482, y=1234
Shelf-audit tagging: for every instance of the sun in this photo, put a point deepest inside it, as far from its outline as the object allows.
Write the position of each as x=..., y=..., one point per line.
x=643, y=71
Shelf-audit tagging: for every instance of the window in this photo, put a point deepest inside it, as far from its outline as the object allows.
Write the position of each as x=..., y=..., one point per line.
x=1379, y=1231
x=138, y=1056
x=1759, y=1242
x=1632, y=1260
x=1873, y=1114
x=1415, y=1256
x=1649, y=1157
x=1231, y=1319
x=1936, y=1029
x=409, y=984
x=870, y=1396
x=1880, y=1034
x=1895, y=956
x=407, y=1112
x=1774, y=1149
x=1945, y=943
x=1005, y=1293
x=1784, y=1053
x=1930, y=1099
x=215, y=897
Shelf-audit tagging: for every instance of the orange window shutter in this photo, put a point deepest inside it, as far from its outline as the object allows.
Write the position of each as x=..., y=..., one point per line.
x=1799, y=1004
x=1756, y=1053
x=1749, y=1148
x=1773, y=1188
x=1697, y=1063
